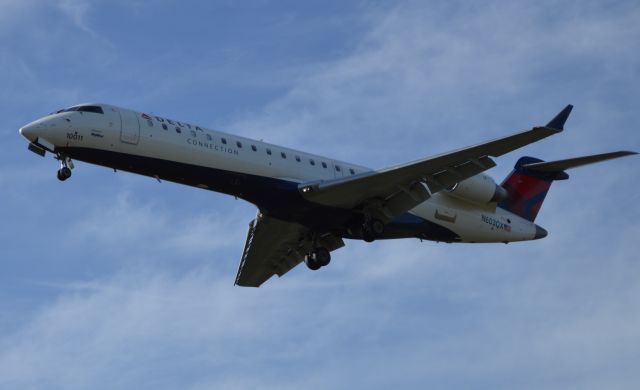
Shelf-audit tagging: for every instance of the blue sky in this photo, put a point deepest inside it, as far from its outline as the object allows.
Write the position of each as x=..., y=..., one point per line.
x=112, y=280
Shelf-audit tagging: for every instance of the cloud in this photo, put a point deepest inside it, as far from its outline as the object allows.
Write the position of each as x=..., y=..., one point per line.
x=420, y=326
x=440, y=75
x=135, y=227
x=77, y=11
x=555, y=313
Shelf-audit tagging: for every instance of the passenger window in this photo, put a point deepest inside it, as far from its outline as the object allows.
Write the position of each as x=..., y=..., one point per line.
x=253, y=147
x=178, y=130
x=298, y=158
x=269, y=151
x=224, y=140
x=352, y=171
x=312, y=162
x=239, y=144
x=193, y=133
x=283, y=154
x=165, y=127
x=337, y=168
x=209, y=137
x=324, y=164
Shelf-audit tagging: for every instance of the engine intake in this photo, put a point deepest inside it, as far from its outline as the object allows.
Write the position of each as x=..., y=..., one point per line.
x=478, y=189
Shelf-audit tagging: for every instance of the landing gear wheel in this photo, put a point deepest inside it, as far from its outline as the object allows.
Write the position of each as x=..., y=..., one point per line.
x=323, y=257
x=64, y=173
x=377, y=227
x=311, y=262
x=372, y=229
x=65, y=167
x=320, y=257
x=367, y=235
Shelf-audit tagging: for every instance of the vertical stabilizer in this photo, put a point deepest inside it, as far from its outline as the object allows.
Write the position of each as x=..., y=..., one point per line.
x=531, y=178
x=527, y=188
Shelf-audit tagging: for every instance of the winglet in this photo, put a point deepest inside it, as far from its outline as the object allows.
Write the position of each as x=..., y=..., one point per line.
x=558, y=121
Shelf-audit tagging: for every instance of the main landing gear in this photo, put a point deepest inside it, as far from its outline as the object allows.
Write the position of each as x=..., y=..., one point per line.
x=371, y=229
x=319, y=257
x=66, y=165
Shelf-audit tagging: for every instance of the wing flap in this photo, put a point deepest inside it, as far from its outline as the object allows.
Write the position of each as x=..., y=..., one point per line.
x=274, y=247
x=438, y=172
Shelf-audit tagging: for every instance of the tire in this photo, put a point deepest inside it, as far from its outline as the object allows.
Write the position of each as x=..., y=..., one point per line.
x=64, y=173
x=367, y=235
x=377, y=227
x=312, y=263
x=322, y=256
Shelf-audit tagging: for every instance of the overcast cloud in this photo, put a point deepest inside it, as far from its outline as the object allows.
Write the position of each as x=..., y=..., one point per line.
x=112, y=280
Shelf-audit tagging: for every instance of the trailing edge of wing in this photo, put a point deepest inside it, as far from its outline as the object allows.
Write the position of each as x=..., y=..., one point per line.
x=561, y=165
x=438, y=171
x=269, y=250
x=274, y=247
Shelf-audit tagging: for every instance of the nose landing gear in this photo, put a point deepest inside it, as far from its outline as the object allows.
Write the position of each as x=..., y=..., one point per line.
x=66, y=165
x=64, y=173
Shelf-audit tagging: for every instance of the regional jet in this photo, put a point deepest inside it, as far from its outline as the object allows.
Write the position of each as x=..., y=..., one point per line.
x=309, y=204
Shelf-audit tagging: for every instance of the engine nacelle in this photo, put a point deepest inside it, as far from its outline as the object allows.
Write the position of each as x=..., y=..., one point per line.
x=479, y=189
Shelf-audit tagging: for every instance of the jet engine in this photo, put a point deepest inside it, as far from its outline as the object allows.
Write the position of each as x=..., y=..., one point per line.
x=478, y=189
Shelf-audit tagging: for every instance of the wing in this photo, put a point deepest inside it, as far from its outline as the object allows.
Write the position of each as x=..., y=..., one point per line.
x=274, y=247
x=400, y=188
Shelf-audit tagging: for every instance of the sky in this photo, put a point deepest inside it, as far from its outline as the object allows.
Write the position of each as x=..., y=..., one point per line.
x=113, y=280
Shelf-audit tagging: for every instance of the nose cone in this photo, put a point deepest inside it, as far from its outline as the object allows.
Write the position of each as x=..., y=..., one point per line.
x=540, y=233
x=28, y=132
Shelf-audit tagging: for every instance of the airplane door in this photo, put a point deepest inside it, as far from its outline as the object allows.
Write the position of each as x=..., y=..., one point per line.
x=130, y=127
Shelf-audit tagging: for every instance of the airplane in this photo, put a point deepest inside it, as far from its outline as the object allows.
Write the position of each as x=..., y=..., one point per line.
x=309, y=204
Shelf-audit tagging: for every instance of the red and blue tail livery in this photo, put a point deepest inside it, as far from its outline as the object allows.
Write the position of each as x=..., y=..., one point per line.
x=527, y=189
x=529, y=182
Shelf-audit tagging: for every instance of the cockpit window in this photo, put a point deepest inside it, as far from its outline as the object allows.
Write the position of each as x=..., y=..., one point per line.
x=94, y=109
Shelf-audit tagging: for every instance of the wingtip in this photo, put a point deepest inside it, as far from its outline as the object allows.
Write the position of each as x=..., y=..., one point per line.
x=559, y=120
x=624, y=153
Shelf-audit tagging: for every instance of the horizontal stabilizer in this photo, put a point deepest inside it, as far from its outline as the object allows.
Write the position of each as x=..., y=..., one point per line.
x=561, y=165
x=559, y=120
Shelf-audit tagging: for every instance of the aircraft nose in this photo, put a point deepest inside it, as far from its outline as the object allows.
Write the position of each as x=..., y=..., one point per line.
x=27, y=132
x=30, y=131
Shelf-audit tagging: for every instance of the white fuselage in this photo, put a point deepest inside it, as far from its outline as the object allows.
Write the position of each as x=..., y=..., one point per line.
x=137, y=134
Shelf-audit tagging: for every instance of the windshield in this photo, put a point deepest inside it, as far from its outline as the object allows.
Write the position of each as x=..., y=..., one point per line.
x=94, y=109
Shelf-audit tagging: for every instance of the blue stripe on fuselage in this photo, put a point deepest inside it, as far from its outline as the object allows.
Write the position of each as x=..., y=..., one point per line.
x=275, y=197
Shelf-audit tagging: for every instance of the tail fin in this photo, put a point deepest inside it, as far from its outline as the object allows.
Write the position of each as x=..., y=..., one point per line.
x=529, y=182
x=527, y=188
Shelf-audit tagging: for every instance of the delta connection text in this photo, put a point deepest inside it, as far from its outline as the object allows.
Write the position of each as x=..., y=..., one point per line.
x=210, y=144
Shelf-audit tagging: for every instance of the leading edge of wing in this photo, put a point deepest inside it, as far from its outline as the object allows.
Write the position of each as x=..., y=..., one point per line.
x=500, y=146
x=351, y=191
